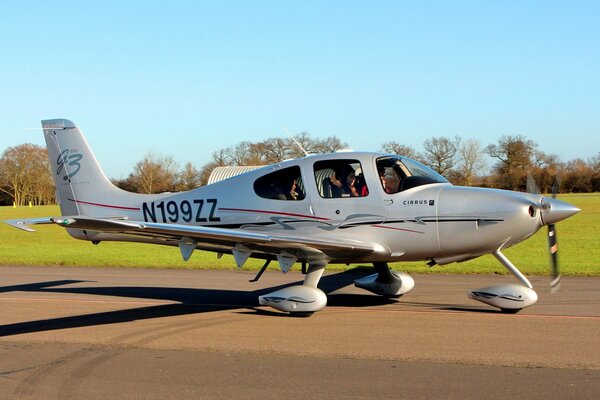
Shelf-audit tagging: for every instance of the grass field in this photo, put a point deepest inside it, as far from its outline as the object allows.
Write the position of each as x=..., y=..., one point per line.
x=579, y=253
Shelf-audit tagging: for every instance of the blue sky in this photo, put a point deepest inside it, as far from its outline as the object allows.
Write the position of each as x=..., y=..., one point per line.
x=187, y=78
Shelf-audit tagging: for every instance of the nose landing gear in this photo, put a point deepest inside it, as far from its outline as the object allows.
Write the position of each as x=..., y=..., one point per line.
x=510, y=298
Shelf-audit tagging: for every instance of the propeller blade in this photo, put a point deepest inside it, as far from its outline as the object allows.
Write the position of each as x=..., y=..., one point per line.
x=553, y=247
x=532, y=186
x=554, y=187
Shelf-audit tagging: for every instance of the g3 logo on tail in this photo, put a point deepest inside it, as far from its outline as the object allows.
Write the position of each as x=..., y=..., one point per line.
x=70, y=158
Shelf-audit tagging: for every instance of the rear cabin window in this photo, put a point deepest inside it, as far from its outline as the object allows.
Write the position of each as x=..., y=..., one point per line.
x=284, y=184
x=340, y=179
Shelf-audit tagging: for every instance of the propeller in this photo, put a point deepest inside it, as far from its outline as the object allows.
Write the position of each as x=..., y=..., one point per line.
x=532, y=187
x=553, y=247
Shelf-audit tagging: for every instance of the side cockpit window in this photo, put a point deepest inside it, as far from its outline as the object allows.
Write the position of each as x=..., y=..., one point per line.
x=398, y=174
x=340, y=178
x=284, y=184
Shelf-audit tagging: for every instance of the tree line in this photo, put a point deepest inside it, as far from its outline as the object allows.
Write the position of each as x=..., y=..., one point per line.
x=515, y=161
x=25, y=175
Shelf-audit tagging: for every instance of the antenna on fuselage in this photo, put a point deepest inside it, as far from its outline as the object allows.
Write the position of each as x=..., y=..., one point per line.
x=295, y=141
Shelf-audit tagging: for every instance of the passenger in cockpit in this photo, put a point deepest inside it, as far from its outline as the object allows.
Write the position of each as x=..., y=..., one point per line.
x=294, y=193
x=285, y=191
x=361, y=185
x=349, y=187
x=381, y=172
x=345, y=186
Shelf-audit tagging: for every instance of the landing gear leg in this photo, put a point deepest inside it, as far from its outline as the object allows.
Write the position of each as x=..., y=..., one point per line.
x=385, y=282
x=314, y=274
x=513, y=270
x=301, y=300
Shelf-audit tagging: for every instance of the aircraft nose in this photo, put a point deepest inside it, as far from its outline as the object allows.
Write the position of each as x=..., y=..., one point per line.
x=554, y=210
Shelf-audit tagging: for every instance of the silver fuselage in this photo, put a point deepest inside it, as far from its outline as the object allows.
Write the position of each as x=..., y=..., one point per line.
x=436, y=221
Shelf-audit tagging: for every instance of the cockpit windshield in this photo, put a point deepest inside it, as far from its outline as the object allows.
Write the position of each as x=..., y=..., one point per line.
x=398, y=174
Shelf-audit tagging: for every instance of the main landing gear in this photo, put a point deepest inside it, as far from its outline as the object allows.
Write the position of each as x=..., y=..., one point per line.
x=306, y=299
x=385, y=282
x=301, y=300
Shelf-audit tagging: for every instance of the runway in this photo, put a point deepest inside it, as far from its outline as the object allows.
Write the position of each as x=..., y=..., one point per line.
x=92, y=333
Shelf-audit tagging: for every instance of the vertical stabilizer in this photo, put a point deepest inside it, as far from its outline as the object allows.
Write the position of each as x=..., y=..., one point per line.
x=80, y=183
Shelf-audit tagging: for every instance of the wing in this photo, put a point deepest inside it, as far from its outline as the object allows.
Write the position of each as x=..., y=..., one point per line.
x=287, y=248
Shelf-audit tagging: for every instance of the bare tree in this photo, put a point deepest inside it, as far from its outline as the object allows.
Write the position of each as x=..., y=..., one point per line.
x=544, y=170
x=155, y=174
x=25, y=174
x=269, y=151
x=577, y=176
x=189, y=178
x=244, y=153
x=594, y=162
x=515, y=156
x=127, y=184
x=330, y=144
x=237, y=155
x=440, y=153
x=42, y=186
x=220, y=158
x=400, y=149
x=274, y=150
x=470, y=161
x=306, y=142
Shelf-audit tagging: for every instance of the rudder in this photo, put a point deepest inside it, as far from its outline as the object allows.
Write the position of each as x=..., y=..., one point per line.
x=76, y=172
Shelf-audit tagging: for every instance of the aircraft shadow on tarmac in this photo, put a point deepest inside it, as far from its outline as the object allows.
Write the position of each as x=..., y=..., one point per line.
x=187, y=301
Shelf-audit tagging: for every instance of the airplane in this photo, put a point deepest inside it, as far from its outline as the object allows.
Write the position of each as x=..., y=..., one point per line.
x=345, y=207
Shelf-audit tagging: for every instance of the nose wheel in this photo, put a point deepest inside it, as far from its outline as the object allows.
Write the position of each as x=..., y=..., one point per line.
x=509, y=298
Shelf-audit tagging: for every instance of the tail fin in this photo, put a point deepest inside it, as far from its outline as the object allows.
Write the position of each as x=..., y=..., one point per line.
x=80, y=182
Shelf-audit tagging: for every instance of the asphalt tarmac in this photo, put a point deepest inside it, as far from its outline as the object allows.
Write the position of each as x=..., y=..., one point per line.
x=94, y=333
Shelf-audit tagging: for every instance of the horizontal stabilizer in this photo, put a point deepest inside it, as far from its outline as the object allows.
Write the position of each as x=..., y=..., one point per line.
x=24, y=223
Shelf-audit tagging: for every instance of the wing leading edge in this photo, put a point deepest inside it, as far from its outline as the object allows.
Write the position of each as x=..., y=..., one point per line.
x=241, y=242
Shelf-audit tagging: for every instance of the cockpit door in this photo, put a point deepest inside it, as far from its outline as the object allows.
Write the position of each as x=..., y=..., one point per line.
x=344, y=191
